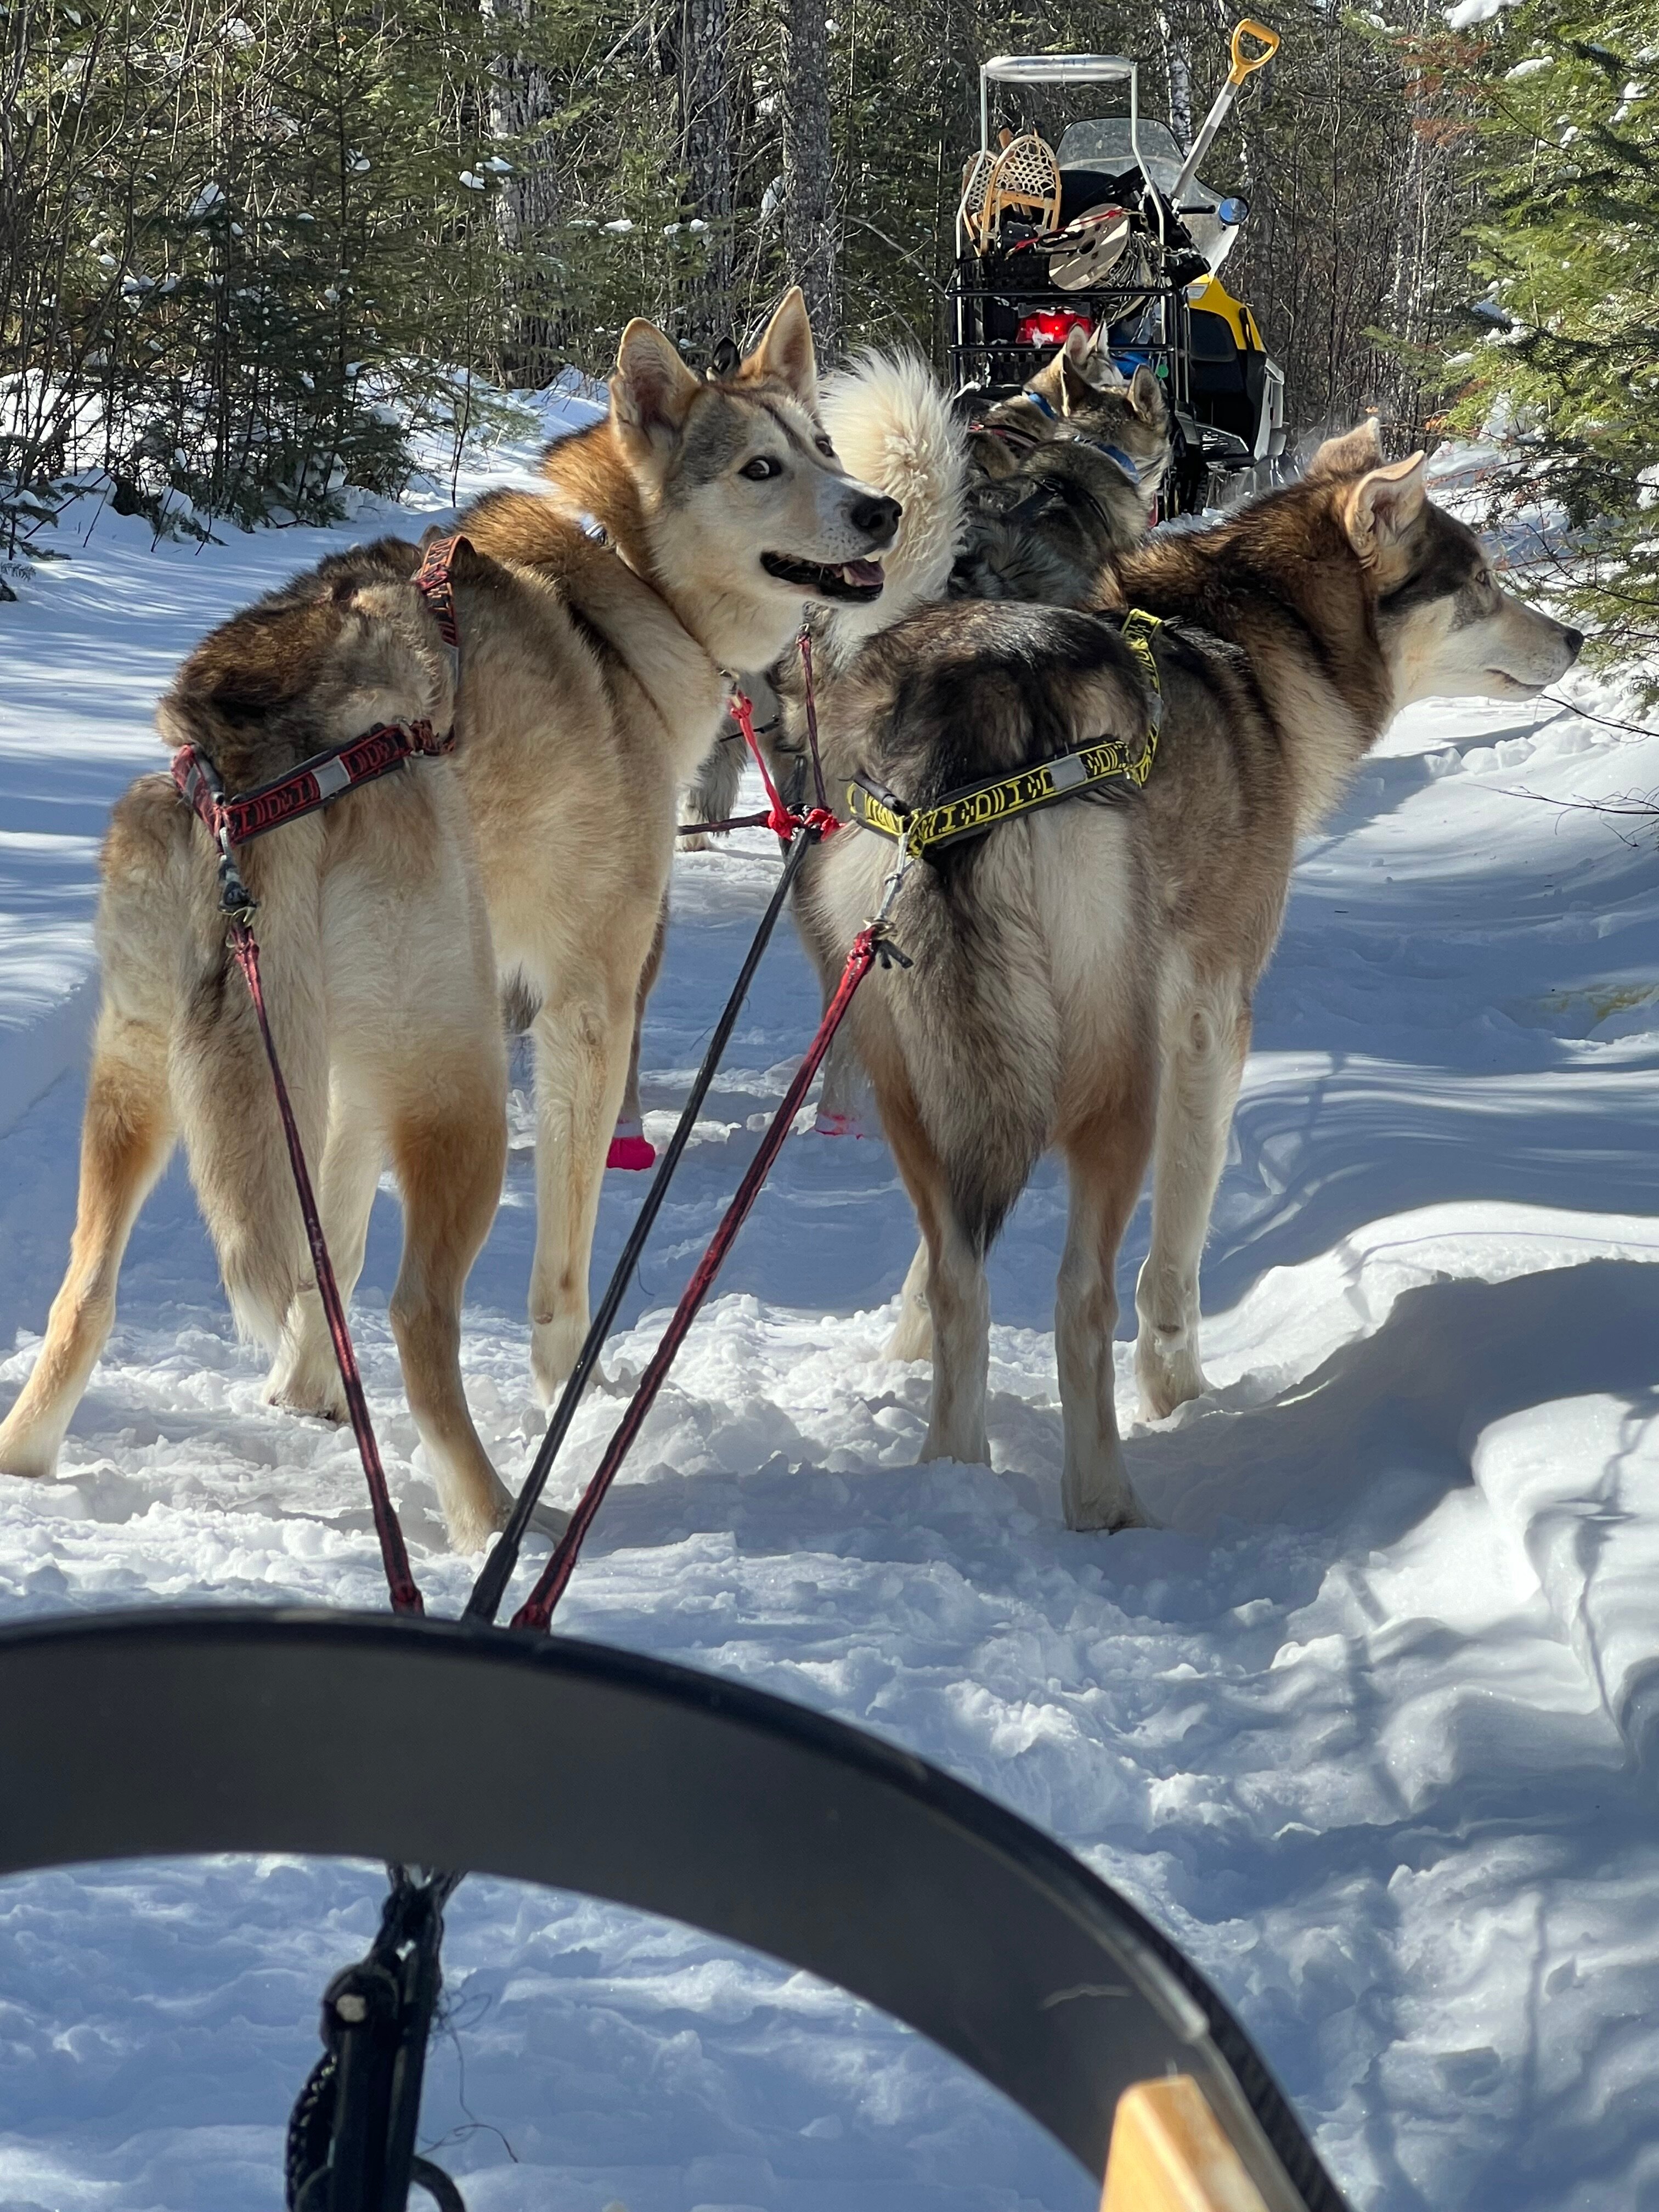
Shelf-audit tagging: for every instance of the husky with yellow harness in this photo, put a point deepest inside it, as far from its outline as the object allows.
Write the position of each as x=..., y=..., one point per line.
x=1090, y=890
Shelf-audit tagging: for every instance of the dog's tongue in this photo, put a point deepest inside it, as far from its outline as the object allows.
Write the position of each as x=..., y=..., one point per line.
x=862, y=574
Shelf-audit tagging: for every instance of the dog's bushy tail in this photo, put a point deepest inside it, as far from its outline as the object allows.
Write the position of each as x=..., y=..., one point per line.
x=893, y=429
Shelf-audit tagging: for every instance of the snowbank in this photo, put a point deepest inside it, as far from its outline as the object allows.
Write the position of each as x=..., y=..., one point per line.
x=1367, y=1725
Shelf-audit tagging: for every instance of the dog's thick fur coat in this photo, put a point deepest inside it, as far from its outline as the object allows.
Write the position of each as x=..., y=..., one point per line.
x=591, y=684
x=375, y=952
x=1082, y=976
x=1056, y=490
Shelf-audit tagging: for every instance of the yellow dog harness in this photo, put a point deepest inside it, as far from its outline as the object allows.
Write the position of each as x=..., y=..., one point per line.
x=977, y=807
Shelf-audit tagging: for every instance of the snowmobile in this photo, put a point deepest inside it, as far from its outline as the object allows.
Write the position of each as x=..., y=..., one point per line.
x=1113, y=230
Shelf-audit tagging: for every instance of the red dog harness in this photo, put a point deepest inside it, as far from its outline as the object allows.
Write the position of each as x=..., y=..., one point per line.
x=325, y=776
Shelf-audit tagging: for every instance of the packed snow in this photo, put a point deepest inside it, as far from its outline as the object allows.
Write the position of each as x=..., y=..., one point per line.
x=1368, y=1724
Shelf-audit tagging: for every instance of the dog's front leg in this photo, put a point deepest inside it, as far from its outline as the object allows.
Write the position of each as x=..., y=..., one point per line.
x=1205, y=1042
x=582, y=1069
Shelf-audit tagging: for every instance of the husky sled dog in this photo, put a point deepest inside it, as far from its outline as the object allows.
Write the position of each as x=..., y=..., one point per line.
x=1066, y=473
x=1082, y=975
x=376, y=968
x=679, y=537
x=1005, y=422
x=1043, y=530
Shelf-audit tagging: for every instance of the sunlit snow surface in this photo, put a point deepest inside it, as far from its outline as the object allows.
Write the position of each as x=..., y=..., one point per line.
x=1362, y=1726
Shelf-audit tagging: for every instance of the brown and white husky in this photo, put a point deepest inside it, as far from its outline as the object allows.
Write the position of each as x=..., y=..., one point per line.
x=677, y=538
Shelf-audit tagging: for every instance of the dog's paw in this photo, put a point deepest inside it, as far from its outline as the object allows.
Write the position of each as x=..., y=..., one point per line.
x=24, y=1451
x=473, y=1517
x=1166, y=1376
x=1106, y=1512
x=314, y=1396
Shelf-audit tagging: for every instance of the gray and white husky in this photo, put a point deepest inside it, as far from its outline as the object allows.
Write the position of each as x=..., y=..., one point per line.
x=1081, y=976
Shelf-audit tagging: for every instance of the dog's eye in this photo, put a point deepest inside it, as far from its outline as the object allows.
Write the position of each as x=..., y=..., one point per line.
x=826, y=446
x=760, y=468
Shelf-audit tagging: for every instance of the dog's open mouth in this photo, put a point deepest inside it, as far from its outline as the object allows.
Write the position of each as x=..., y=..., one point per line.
x=858, y=580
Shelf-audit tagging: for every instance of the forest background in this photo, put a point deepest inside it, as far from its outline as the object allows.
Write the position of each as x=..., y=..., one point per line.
x=246, y=249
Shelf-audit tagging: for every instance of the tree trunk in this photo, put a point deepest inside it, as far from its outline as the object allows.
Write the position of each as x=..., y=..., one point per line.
x=1178, y=66
x=527, y=206
x=706, y=138
x=808, y=166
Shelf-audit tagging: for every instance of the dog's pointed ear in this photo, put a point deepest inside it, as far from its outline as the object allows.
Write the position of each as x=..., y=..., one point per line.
x=1102, y=369
x=785, y=353
x=1147, y=397
x=1351, y=454
x=1383, y=505
x=651, y=387
x=1074, y=367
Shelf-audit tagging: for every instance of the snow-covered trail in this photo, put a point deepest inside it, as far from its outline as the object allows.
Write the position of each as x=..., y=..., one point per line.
x=1367, y=1725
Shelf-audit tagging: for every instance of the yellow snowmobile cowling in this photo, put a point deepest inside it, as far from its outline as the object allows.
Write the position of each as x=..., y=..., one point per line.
x=1210, y=296
x=1233, y=385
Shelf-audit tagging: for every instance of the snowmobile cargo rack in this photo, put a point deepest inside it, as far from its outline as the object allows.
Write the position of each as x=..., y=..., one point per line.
x=1013, y=295
x=179, y=1732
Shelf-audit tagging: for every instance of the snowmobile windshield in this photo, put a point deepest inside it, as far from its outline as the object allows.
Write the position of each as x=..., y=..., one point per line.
x=1105, y=145
x=1104, y=148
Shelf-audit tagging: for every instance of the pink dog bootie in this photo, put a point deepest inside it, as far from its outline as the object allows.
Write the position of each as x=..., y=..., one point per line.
x=631, y=1148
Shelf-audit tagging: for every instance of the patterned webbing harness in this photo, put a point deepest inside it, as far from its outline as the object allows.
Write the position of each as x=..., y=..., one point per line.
x=973, y=808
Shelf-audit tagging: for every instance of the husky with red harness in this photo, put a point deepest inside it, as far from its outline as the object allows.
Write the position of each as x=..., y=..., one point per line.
x=680, y=537
x=314, y=835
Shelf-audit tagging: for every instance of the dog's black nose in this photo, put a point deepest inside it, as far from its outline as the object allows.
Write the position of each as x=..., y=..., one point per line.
x=878, y=517
x=1575, y=640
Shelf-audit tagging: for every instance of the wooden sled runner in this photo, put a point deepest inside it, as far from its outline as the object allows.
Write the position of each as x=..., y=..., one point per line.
x=230, y=1730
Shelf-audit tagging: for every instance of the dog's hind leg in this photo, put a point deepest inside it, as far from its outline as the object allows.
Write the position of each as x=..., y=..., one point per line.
x=126, y=1139
x=1205, y=1037
x=1106, y=1161
x=305, y=1377
x=958, y=1296
x=448, y=1152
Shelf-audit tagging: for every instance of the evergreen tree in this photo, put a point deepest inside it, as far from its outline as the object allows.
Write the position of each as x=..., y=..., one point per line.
x=1563, y=366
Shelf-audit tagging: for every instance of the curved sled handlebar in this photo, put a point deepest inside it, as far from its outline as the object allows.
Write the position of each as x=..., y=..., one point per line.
x=1246, y=64
x=427, y=1742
